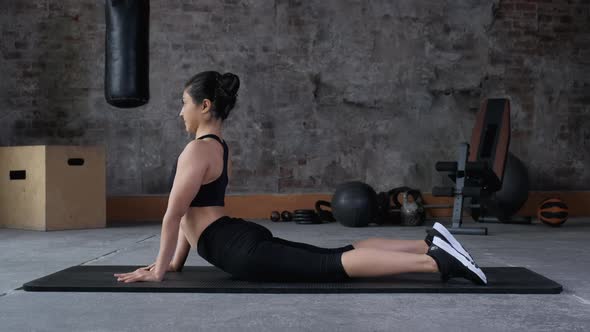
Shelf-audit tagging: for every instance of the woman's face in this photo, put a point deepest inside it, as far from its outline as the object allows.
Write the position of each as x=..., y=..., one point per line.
x=193, y=113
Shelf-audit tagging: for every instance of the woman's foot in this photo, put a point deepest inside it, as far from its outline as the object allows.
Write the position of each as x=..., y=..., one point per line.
x=441, y=231
x=451, y=263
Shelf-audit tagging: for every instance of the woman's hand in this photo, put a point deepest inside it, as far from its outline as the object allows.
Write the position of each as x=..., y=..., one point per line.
x=152, y=266
x=141, y=274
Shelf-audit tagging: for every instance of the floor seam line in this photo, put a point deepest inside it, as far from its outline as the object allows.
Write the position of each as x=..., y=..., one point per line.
x=114, y=251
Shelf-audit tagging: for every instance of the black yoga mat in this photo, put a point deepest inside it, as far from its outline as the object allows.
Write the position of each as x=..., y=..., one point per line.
x=208, y=279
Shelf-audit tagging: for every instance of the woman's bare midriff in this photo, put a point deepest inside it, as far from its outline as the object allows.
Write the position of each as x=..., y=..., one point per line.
x=197, y=219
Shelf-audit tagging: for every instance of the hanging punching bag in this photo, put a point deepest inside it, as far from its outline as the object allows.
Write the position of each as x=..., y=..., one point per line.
x=126, y=82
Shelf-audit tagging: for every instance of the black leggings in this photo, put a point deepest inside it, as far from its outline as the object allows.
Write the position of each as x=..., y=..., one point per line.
x=249, y=251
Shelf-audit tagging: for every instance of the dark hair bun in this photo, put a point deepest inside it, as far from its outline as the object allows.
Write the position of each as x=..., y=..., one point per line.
x=226, y=93
x=230, y=83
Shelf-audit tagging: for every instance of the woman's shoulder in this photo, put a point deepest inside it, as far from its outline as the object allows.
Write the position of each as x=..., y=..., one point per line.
x=193, y=149
x=201, y=147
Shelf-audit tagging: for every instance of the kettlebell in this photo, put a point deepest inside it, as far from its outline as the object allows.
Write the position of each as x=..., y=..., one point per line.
x=412, y=213
x=394, y=205
x=324, y=215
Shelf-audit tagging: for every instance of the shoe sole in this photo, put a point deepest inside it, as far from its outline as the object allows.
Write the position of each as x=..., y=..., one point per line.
x=452, y=240
x=437, y=241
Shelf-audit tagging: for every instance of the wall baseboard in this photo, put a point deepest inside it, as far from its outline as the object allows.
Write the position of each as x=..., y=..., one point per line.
x=150, y=208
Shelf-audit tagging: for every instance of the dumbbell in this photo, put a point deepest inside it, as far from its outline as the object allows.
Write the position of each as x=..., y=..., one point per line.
x=284, y=216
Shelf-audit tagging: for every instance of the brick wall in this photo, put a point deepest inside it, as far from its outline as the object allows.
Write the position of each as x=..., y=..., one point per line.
x=540, y=53
x=331, y=90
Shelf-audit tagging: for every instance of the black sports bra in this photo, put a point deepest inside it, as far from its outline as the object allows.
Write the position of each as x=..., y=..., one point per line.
x=213, y=193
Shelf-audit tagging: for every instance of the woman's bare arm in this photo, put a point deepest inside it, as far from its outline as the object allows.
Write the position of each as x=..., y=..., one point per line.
x=183, y=248
x=187, y=182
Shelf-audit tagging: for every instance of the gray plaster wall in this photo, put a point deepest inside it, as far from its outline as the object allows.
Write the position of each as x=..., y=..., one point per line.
x=332, y=91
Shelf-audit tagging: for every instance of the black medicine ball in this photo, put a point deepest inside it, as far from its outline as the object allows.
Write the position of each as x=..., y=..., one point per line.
x=354, y=204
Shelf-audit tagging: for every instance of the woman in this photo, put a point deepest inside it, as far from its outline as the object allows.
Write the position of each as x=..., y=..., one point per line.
x=195, y=217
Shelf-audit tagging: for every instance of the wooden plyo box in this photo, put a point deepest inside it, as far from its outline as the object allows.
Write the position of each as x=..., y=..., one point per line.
x=52, y=187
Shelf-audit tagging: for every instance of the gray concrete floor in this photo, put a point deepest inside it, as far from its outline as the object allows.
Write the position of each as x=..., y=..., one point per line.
x=558, y=253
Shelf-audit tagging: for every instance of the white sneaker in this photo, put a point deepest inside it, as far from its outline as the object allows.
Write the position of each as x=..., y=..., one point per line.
x=451, y=263
x=441, y=231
